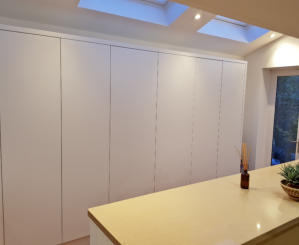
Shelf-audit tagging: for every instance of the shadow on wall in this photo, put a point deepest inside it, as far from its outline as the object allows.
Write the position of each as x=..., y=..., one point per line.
x=269, y=110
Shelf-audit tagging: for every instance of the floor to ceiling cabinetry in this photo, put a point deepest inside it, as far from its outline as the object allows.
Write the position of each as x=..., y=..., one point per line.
x=83, y=124
x=85, y=73
x=30, y=138
x=133, y=122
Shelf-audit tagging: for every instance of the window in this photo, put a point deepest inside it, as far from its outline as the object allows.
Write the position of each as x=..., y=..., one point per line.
x=232, y=29
x=160, y=12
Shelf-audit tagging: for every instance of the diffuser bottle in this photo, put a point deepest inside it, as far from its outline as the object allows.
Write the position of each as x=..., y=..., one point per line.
x=244, y=179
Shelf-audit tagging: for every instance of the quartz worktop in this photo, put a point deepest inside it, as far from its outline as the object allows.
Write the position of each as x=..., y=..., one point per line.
x=215, y=212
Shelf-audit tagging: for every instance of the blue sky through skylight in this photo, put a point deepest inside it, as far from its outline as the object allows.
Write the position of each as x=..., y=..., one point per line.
x=164, y=12
x=160, y=12
x=232, y=29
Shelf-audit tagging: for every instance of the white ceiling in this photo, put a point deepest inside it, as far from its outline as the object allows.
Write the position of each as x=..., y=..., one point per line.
x=277, y=15
x=182, y=33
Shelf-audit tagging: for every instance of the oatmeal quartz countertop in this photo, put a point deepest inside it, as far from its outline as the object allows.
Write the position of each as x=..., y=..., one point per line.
x=215, y=212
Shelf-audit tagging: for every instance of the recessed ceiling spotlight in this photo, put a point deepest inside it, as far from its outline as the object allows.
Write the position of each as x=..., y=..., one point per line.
x=272, y=35
x=197, y=16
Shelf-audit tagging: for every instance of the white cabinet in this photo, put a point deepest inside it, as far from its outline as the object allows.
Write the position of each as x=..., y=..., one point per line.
x=174, y=121
x=85, y=132
x=30, y=133
x=83, y=124
x=231, y=119
x=206, y=119
x=133, y=116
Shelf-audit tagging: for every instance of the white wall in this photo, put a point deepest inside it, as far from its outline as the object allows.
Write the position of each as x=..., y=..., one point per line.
x=259, y=102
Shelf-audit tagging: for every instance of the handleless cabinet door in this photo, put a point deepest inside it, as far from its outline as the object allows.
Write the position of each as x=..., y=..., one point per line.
x=85, y=132
x=206, y=119
x=231, y=119
x=133, y=116
x=30, y=138
x=174, y=120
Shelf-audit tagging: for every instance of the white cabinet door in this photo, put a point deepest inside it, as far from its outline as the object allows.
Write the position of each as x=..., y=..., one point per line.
x=174, y=122
x=31, y=138
x=231, y=120
x=206, y=119
x=133, y=114
x=85, y=132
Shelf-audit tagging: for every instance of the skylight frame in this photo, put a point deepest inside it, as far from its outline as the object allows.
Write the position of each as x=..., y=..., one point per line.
x=231, y=21
x=161, y=3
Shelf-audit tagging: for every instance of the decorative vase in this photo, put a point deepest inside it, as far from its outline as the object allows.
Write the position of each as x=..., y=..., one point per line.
x=291, y=191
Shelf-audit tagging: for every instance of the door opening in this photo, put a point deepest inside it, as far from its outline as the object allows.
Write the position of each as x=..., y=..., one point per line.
x=285, y=146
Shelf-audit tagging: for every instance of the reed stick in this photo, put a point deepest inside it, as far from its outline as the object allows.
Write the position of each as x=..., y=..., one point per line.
x=245, y=156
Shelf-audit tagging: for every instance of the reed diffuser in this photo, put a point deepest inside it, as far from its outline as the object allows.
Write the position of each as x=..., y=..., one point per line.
x=244, y=174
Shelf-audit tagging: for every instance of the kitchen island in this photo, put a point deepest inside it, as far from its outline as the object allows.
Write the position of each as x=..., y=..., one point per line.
x=215, y=212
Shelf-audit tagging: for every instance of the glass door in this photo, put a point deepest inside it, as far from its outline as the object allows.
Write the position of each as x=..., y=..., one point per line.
x=297, y=143
x=285, y=146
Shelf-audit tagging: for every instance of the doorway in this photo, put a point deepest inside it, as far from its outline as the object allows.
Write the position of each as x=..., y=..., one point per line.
x=285, y=142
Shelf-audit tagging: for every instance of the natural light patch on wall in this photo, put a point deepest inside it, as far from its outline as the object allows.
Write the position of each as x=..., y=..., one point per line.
x=232, y=29
x=160, y=12
x=285, y=54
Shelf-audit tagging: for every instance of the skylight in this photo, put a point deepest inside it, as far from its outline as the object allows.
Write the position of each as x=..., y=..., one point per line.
x=159, y=2
x=160, y=12
x=232, y=29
